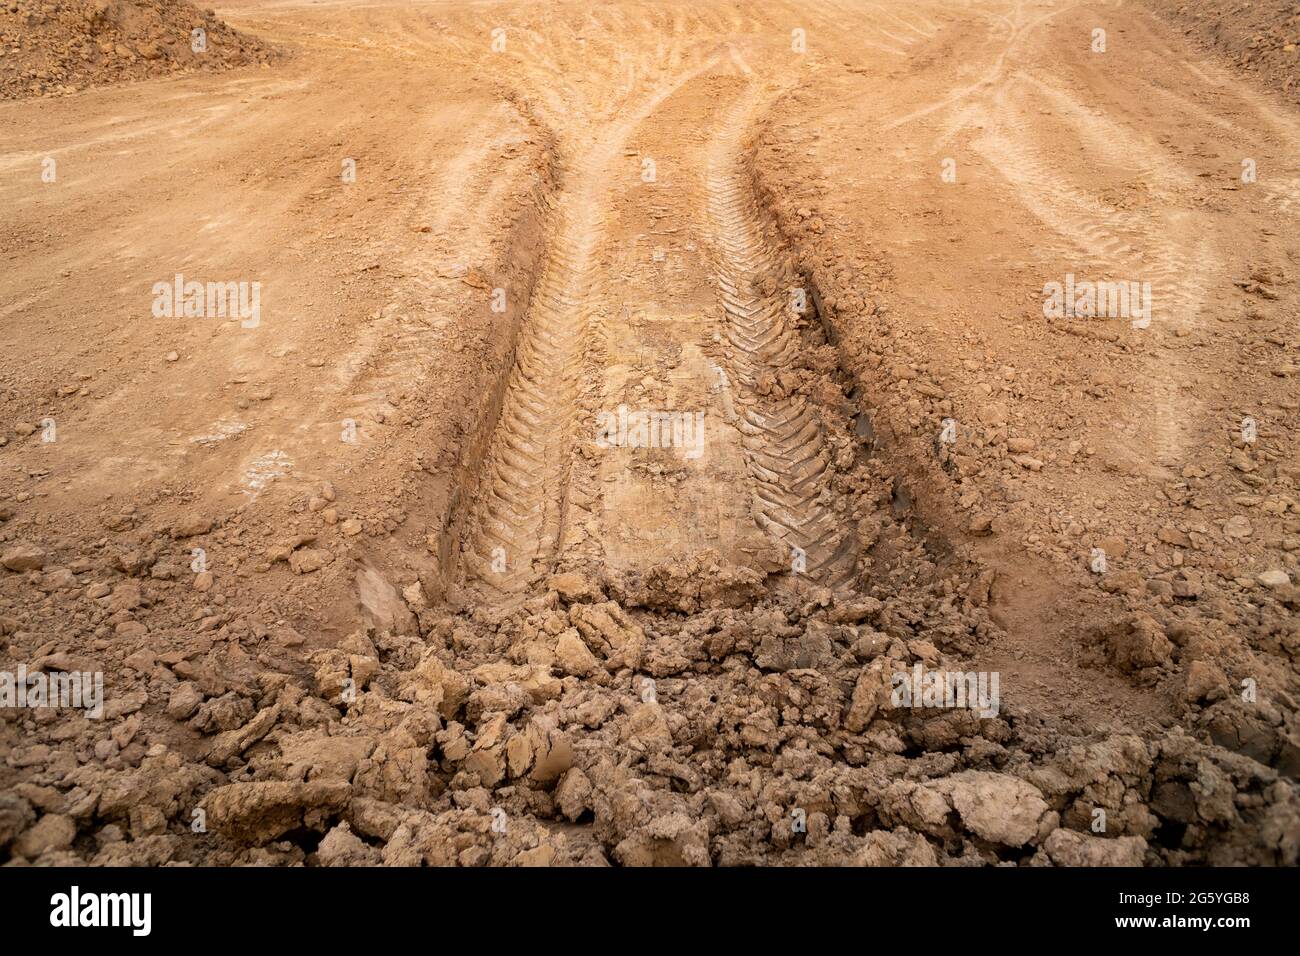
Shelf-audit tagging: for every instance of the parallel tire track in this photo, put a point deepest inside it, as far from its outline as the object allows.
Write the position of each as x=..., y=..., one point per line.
x=785, y=449
x=519, y=524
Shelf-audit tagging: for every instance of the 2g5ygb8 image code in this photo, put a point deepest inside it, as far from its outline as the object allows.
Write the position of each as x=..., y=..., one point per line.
x=1177, y=898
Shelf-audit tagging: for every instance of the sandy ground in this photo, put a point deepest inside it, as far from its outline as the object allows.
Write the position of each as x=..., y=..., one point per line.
x=637, y=397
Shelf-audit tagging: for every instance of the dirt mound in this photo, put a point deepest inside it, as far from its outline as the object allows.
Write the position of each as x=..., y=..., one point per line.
x=48, y=47
x=1261, y=37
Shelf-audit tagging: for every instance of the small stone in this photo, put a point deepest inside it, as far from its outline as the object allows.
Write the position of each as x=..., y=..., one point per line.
x=15, y=816
x=105, y=750
x=184, y=701
x=129, y=630
x=1172, y=536
x=1188, y=584
x=997, y=807
x=24, y=557
x=573, y=656
x=573, y=795
x=1205, y=681
x=1068, y=848
x=342, y=847
x=190, y=526
x=647, y=729
x=1114, y=547
x=259, y=812
x=1238, y=526
x=1274, y=579
x=308, y=560
x=575, y=588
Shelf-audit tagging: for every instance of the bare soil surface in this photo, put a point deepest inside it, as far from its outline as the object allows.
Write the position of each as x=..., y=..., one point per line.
x=589, y=419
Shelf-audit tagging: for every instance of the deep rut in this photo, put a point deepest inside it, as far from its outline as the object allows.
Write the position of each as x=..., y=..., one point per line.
x=519, y=524
x=519, y=528
x=785, y=447
x=520, y=518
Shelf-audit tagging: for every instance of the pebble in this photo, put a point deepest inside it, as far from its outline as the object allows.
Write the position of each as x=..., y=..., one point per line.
x=24, y=557
x=1238, y=526
x=1274, y=579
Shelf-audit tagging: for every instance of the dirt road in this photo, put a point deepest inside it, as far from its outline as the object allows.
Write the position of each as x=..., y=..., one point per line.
x=540, y=434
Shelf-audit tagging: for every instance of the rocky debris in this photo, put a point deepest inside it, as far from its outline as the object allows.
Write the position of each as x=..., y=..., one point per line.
x=1206, y=682
x=184, y=701
x=382, y=606
x=307, y=755
x=1275, y=579
x=870, y=693
x=576, y=588
x=646, y=729
x=899, y=847
x=438, y=686
x=699, y=712
x=573, y=795
x=232, y=743
x=671, y=840
x=191, y=526
x=572, y=656
x=1139, y=643
x=668, y=739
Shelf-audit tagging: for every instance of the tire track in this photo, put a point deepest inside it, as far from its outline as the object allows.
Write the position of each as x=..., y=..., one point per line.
x=526, y=469
x=1167, y=249
x=519, y=523
x=785, y=448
